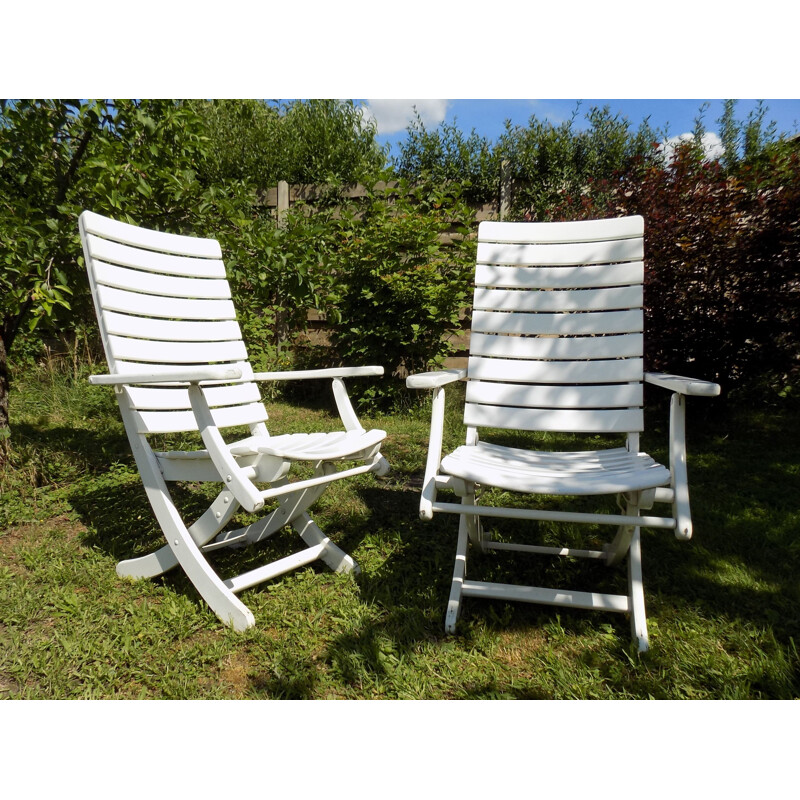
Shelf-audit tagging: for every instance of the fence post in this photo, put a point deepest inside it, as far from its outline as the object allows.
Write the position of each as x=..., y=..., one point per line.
x=283, y=201
x=505, y=189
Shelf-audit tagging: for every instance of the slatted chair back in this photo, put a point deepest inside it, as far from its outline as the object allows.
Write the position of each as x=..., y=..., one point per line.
x=556, y=341
x=163, y=301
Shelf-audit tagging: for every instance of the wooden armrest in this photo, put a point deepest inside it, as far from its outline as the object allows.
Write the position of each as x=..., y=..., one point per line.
x=681, y=385
x=432, y=380
x=176, y=375
x=310, y=374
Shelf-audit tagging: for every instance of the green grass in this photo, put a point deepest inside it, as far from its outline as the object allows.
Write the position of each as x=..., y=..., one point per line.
x=722, y=609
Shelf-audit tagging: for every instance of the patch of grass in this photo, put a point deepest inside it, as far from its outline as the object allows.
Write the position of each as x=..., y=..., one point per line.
x=722, y=610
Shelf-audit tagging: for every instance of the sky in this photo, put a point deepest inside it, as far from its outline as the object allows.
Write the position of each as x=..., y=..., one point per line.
x=671, y=117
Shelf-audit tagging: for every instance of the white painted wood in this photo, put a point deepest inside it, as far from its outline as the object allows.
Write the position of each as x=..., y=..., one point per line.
x=162, y=285
x=134, y=372
x=556, y=347
x=688, y=386
x=534, y=419
x=592, y=396
x=430, y=380
x=178, y=363
x=126, y=233
x=149, y=305
x=619, y=370
x=534, y=594
x=175, y=352
x=594, y=323
x=551, y=255
x=125, y=256
x=163, y=399
x=606, y=299
x=171, y=330
x=583, y=230
x=177, y=421
x=576, y=277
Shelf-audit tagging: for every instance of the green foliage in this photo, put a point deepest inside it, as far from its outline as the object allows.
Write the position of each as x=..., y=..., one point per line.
x=548, y=162
x=722, y=264
x=722, y=612
x=304, y=141
x=402, y=261
x=445, y=155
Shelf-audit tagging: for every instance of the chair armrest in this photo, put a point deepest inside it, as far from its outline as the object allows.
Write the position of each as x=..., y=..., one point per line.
x=311, y=374
x=176, y=375
x=433, y=380
x=681, y=385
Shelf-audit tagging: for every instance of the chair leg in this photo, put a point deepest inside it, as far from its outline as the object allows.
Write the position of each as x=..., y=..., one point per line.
x=636, y=593
x=333, y=555
x=459, y=574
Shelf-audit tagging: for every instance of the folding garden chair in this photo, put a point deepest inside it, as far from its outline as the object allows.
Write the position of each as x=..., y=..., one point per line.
x=177, y=363
x=557, y=346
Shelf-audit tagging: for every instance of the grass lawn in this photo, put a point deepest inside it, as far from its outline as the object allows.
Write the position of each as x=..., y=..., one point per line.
x=722, y=609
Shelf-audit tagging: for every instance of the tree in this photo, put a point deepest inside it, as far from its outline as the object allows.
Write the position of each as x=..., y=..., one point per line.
x=134, y=160
x=304, y=141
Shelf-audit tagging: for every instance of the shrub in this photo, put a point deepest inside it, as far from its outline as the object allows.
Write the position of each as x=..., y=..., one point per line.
x=722, y=255
x=403, y=262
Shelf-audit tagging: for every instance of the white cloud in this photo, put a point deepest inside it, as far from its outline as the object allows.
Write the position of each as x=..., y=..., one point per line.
x=711, y=143
x=392, y=116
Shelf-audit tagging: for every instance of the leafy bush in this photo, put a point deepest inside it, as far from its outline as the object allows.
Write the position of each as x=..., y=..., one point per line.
x=445, y=155
x=722, y=256
x=401, y=261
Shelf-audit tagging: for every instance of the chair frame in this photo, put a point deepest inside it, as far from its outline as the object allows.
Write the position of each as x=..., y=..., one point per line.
x=626, y=542
x=237, y=466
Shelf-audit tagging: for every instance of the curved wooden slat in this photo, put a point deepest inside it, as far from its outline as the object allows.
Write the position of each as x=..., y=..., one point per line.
x=625, y=345
x=622, y=420
x=152, y=261
x=623, y=395
x=582, y=230
x=149, y=239
x=550, y=255
x=162, y=285
x=149, y=305
x=615, y=370
x=574, y=277
x=599, y=322
x=606, y=299
x=156, y=352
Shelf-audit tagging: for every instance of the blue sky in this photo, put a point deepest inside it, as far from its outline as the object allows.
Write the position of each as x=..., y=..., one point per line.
x=487, y=117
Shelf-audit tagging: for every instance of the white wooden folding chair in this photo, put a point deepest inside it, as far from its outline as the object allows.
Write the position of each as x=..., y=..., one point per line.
x=557, y=345
x=177, y=363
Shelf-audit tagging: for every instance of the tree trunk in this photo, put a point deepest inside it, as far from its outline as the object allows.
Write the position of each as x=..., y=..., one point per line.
x=5, y=430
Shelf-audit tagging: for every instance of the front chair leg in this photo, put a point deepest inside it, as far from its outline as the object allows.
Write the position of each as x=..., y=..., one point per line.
x=459, y=574
x=636, y=593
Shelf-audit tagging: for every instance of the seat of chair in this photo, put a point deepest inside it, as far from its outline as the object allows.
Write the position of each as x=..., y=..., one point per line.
x=558, y=473
x=311, y=446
